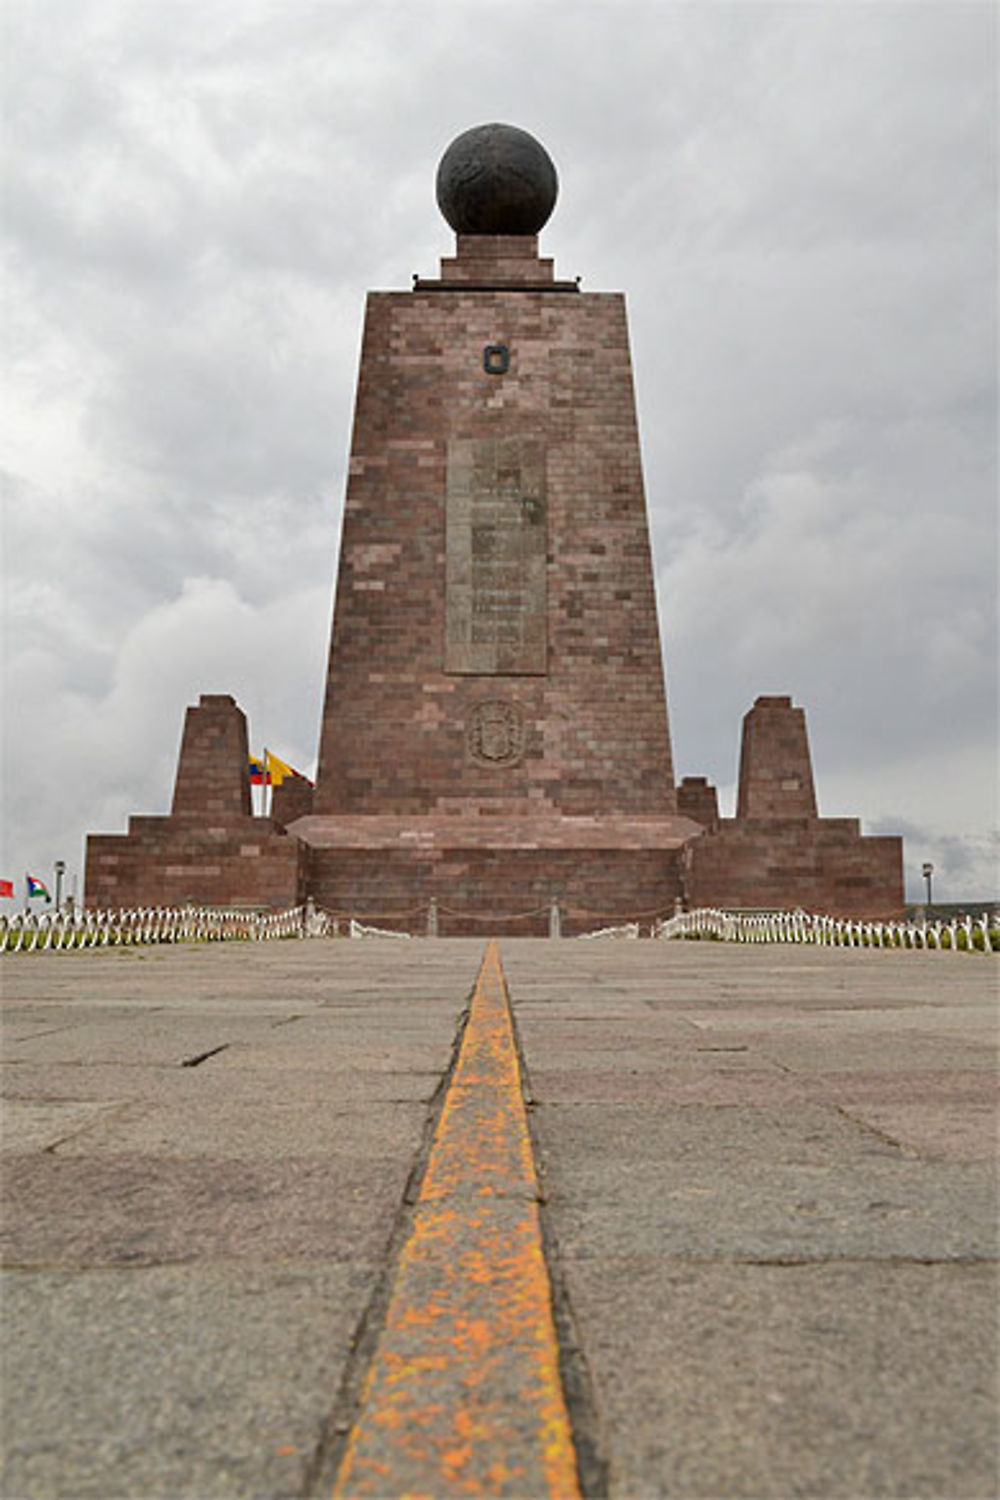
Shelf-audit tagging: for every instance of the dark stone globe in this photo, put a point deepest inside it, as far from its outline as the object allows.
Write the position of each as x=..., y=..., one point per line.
x=496, y=179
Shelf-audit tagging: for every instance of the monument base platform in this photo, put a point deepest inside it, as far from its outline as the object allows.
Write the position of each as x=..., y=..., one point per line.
x=492, y=874
x=819, y=864
x=178, y=861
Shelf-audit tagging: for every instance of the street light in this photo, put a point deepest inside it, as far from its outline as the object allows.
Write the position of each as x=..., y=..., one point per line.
x=928, y=871
x=60, y=872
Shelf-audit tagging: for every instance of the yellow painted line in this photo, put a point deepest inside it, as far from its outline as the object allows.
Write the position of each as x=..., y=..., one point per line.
x=463, y=1396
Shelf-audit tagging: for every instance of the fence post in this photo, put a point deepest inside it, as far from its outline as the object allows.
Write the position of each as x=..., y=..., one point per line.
x=432, y=918
x=555, y=919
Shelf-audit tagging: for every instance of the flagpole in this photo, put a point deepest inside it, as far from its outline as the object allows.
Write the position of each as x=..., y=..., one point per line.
x=259, y=806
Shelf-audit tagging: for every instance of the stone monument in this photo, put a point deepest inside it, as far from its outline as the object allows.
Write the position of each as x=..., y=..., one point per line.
x=495, y=731
x=495, y=736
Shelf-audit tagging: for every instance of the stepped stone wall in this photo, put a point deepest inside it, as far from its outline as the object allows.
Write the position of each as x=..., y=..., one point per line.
x=777, y=851
x=699, y=800
x=291, y=799
x=210, y=850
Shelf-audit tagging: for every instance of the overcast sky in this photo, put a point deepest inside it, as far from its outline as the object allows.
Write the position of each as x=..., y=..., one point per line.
x=799, y=201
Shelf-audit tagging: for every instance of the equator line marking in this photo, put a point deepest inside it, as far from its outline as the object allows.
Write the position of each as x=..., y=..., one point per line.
x=463, y=1396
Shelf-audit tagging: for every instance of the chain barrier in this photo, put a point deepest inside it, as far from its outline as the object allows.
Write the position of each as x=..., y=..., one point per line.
x=347, y=914
x=615, y=918
x=961, y=934
x=492, y=916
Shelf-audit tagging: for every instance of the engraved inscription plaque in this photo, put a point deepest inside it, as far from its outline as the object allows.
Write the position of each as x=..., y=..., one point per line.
x=496, y=538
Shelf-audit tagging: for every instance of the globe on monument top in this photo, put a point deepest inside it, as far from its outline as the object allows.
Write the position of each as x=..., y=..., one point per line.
x=496, y=179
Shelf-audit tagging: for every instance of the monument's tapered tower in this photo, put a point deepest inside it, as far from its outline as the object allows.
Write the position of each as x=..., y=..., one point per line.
x=495, y=728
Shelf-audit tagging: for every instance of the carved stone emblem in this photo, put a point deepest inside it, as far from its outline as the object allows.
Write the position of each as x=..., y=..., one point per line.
x=495, y=733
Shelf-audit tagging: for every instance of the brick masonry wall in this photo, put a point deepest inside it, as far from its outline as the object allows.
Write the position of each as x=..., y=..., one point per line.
x=210, y=850
x=213, y=779
x=698, y=799
x=494, y=258
x=412, y=717
x=159, y=863
x=291, y=799
x=822, y=865
x=395, y=729
x=496, y=892
x=776, y=778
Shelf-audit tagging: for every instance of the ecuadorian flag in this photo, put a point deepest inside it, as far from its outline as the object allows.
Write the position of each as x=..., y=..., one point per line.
x=273, y=772
x=37, y=887
x=277, y=770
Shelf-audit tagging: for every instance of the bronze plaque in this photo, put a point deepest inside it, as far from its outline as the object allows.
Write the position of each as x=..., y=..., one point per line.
x=496, y=541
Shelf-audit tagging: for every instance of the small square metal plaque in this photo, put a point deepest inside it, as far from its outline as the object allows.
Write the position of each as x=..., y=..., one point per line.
x=496, y=359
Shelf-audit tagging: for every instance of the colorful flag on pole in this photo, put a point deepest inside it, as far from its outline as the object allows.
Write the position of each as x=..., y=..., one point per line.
x=7, y=888
x=37, y=887
x=276, y=771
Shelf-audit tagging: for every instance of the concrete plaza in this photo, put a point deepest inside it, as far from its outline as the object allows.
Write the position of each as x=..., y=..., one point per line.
x=770, y=1208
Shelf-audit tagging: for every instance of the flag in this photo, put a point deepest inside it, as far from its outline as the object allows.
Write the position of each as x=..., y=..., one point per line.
x=277, y=770
x=7, y=888
x=37, y=887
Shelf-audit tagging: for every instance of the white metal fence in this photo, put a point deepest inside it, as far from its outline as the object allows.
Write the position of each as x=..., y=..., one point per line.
x=968, y=933
x=28, y=932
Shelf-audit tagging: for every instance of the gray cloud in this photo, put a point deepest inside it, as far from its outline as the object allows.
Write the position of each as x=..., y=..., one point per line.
x=800, y=203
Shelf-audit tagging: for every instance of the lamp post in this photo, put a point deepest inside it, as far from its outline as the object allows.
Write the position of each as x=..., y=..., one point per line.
x=60, y=872
x=928, y=871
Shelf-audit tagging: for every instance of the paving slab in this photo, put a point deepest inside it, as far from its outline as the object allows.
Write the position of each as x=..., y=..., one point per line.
x=345, y=1085
x=173, y=1381
x=110, y=1210
x=258, y=1128
x=852, y=1379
